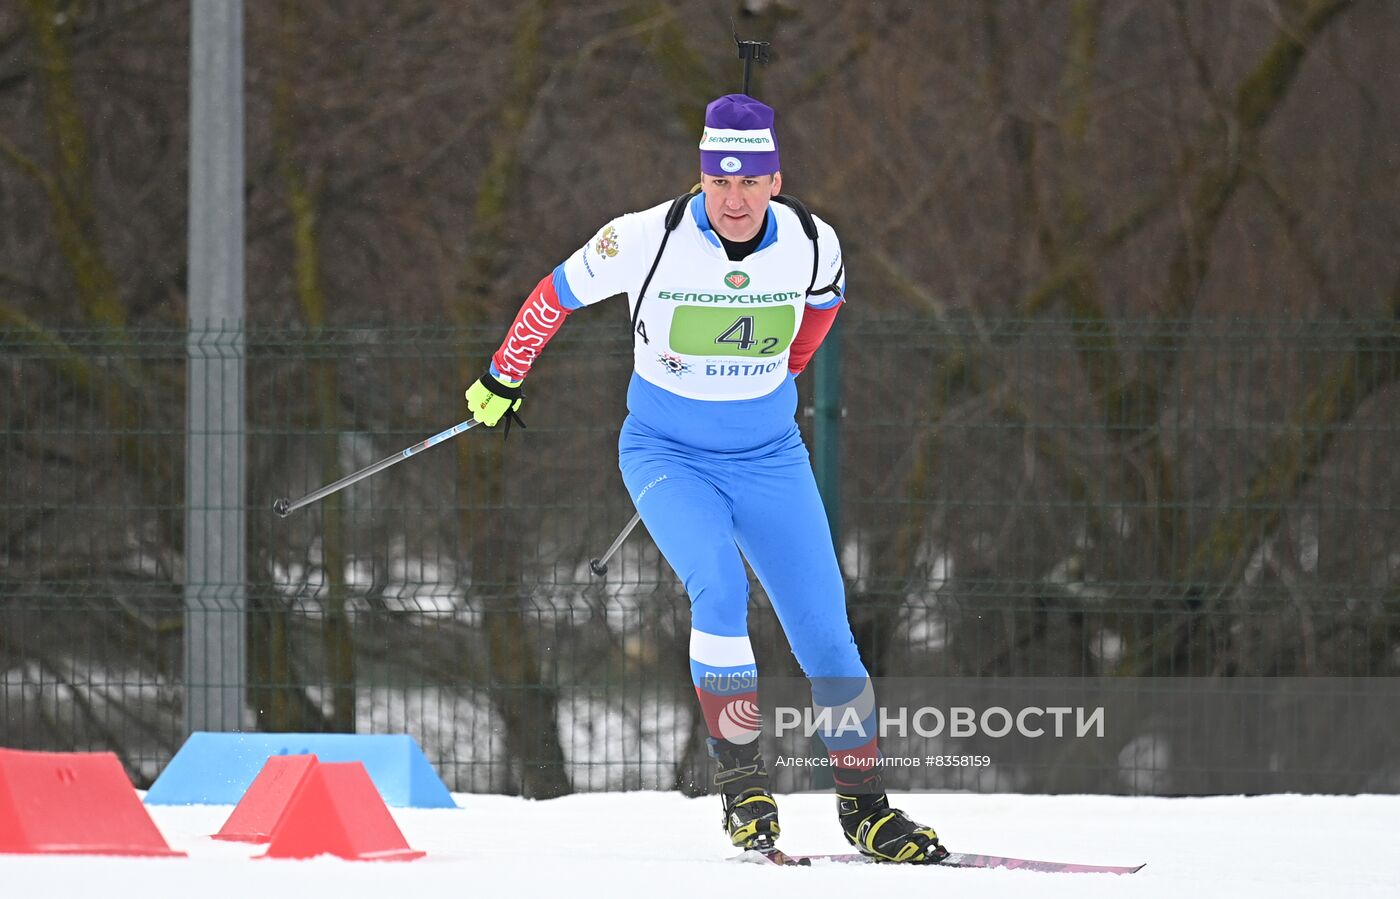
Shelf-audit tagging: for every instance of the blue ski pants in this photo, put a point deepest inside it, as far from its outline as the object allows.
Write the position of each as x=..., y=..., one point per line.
x=705, y=508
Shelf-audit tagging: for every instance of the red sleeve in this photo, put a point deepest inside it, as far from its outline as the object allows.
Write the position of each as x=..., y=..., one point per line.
x=810, y=334
x=538, y=320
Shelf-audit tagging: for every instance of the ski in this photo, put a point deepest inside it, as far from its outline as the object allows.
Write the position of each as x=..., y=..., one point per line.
x=954, y=860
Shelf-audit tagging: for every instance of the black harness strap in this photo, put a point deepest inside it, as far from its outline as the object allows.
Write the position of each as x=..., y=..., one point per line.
x=833, y=287
x=673, y=220
x=810, y=227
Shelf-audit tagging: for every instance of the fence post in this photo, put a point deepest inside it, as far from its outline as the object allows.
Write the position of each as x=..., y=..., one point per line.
x=215, y=462
x=826, y=463
x=826, y=429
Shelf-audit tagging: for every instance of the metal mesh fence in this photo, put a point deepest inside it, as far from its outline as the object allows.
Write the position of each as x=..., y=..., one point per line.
x=1020, y=498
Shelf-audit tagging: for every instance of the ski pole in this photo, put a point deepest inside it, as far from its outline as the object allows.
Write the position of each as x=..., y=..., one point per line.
x=600, y=566
x=284, y=507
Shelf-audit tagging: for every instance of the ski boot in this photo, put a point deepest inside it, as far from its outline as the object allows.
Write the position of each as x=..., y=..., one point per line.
x=750, y=813
x=878, y=831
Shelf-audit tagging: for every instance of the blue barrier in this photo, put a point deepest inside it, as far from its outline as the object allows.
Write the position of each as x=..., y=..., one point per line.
x=216, y=768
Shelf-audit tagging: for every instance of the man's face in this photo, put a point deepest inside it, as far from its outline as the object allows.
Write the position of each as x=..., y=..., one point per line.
x=736, y=203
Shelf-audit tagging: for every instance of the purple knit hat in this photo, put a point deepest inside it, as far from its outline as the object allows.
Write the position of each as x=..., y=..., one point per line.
x=738, y=138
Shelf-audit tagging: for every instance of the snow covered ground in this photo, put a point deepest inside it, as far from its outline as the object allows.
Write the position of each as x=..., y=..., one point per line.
x=664, y=845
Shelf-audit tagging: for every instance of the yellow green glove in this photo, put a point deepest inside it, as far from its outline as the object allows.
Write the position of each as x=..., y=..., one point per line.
x=490, y=399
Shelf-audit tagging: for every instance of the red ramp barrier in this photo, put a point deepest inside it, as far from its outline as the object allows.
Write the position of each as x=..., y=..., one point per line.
x=75, y=803
x=336, y=810
x=267, y=799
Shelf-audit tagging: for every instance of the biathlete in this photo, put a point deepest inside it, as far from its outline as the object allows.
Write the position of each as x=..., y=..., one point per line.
x=732, y=289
